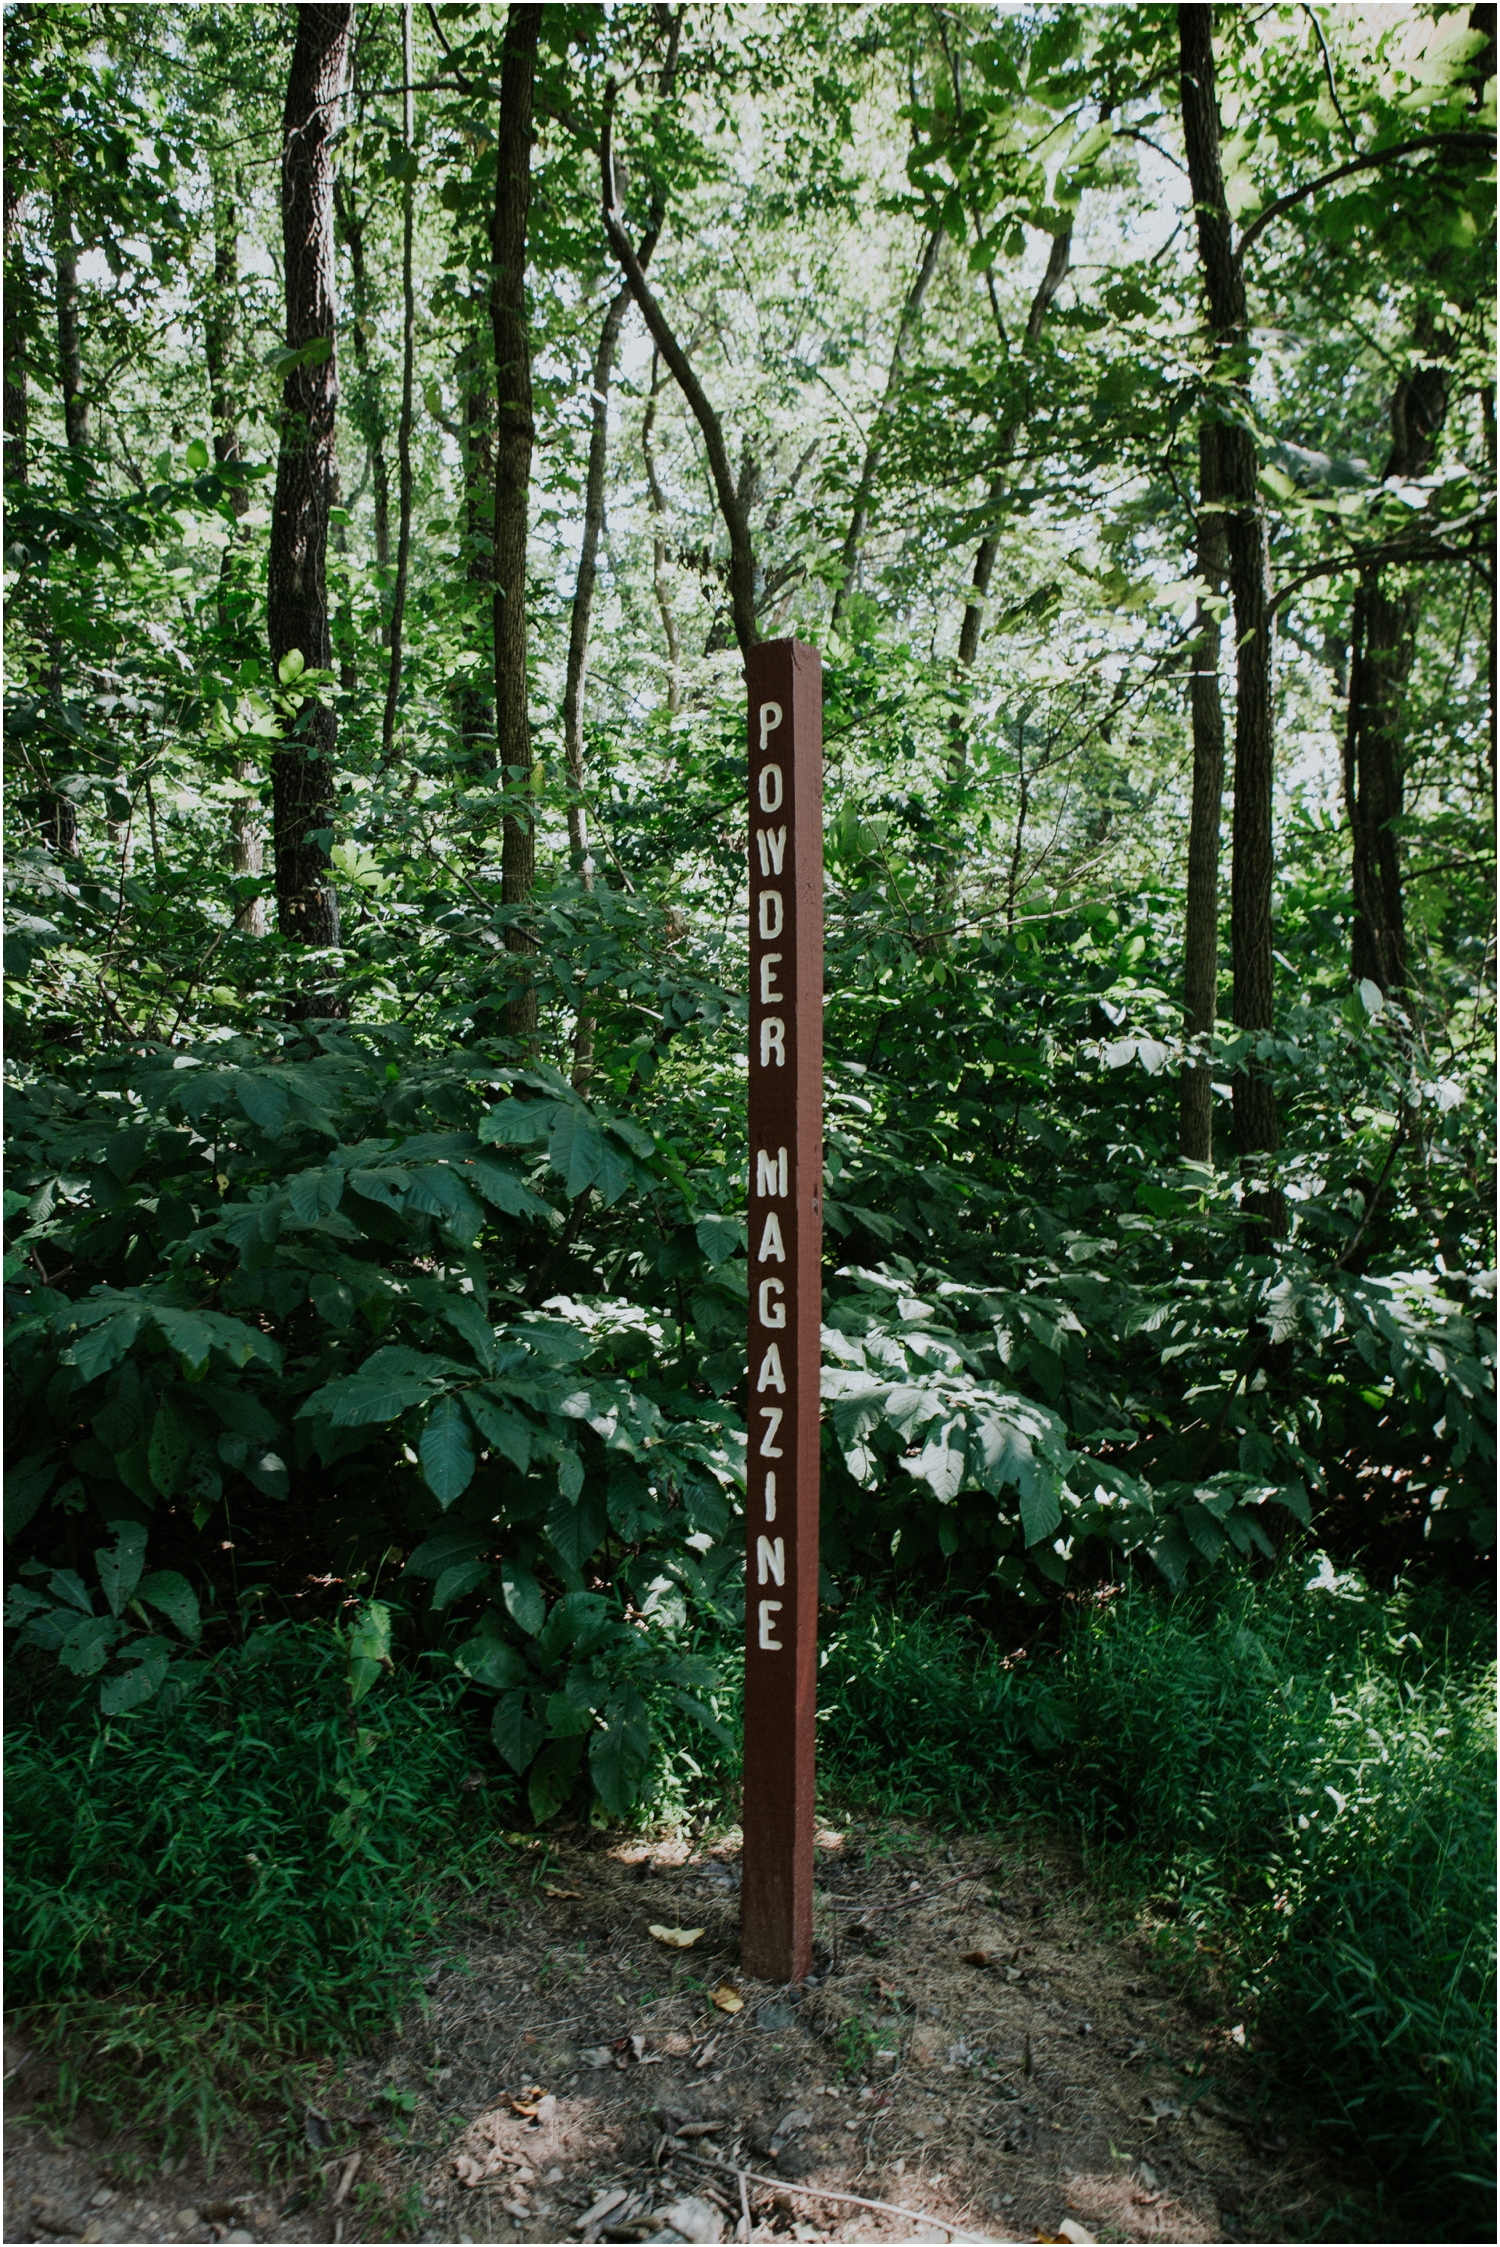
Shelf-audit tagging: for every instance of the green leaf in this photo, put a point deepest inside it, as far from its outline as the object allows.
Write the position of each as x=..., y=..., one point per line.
x=447, y=1451
x=120, y=1567
x=505, y=1189
x=457, y=1582
x=387, y=1185
x=515, y=1734
x=719, y=1237
x=333, y=1300
x=264, y=1100
x=517, y=1123
x=94, y=1352
x=501, y=1427
x=1041, y=1515
x=492, y=1662
x=575, y=1532
x=369, y=1649
x=169, y=1450
x=524, y=1597
x=618, y=1755
x=173, y=1596
x=26, y=1485
x=315, y=1193
x=86, y=1647
x=552, y=1778
x=445, y=1548
x=122, y=1694
x=575, y=1149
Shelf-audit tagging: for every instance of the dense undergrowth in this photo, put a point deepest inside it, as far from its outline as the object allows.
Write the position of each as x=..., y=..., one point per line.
x=206, y=1894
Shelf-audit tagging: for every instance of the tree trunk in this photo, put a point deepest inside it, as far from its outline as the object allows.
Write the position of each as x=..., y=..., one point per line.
x=302, y=770
x=1200, y=944
x=476, y=707
x=69, y=345
x=17, y=300
x=1256, y=1122
x=661, y=584
x=583, y=591
x=1382, y=648
x=859, y=518
x=246, y=836
x=727, y=488
x=365, y=407
x=513, y=442
x=989, y=546
x=403, y=434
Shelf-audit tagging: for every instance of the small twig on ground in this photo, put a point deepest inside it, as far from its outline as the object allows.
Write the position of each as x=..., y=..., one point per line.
x=906, y=1903
x=824, y=2192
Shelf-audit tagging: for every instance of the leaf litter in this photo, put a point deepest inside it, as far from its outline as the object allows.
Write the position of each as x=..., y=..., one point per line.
x=974, y=2057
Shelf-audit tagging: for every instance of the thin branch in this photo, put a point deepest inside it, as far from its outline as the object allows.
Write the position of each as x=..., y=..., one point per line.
x=1477, y=141
x=1333, y=92
x=823, y=2192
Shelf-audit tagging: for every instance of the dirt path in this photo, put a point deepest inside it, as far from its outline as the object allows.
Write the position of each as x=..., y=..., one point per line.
x=975, y=2048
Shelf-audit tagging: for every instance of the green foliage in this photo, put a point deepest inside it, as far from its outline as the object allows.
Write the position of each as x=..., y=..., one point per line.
x=1304, y=1778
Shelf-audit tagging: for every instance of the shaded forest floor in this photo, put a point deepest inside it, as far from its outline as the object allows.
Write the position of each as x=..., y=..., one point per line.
x=979, y=2045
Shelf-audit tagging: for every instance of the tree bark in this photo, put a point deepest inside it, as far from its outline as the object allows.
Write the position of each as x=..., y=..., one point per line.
x=514, y=433
x=476, y=707
x=365, y=406
x=731, y=498
x=660, y=582
x=17, y=300
x=220, y=322
x=1256, y=1122
x=302, y=770
x=859, y=517
x=1200, y=944
x=403, y=433
x=69, y=344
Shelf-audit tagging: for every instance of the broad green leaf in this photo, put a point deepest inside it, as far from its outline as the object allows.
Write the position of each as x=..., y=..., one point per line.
x=169, y=1449
x=515, y=1734
x=1041, y=1515
x=719, y=1237
x=502, y=1427
x=173, y=1596
x=457, y=1582
x=517, y=1123
x=264, y=1101
x=333, y=1300
x=121, y=1694
x=95, y=1351
x=26, y=1485
x=524, y=1597
x=576, y=1531
x=552, y=1777
x=618, y=1755
x=449, y=1544
x=447, y=1451
x=315, y=1193
x=67, y=1585
x=120, y=1565
x=575, y=1149
x=118, y=1421
x=436, y=1191
x=490, y=1661
x=505, y=1189
x=86, y=1647
x=387, y=1185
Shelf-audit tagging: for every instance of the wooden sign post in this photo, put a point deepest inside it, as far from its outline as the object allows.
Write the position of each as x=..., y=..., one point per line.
x=786, y=1304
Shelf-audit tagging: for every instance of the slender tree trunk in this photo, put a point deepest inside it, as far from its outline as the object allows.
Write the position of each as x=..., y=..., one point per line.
x=69, y=344
x=989, y=546
x=661, y=583
x=859, y=518
x=1200, y=946
x=476, y=707
x=583, y=591
x=1257, y=1128
x=366, y=410
x=514, y=434
x=727, y=489
x=220, y=321
x=403, y=434
x=1382, y=647
x=17, y=302
x=302, y=767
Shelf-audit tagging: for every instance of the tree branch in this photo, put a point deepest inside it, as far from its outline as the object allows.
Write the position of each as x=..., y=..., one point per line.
x=1287, y=202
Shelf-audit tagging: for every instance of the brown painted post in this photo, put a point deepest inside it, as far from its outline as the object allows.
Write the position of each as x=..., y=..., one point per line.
x=786, y=1303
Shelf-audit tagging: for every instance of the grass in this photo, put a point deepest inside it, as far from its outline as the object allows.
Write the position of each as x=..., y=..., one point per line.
x=203, y=1894
x=1302, y=1778
x=1298, y=1779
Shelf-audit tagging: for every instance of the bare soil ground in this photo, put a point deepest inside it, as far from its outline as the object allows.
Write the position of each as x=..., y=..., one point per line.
x=977, y=2048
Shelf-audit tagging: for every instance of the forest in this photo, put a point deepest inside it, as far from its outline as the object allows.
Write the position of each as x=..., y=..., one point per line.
x=412, y=418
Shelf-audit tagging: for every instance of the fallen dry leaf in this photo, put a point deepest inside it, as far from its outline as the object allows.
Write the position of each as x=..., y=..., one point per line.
x=527, y=2102
x=565, y=1895
x=727, y=1998
x=680, y=1938
x=976, y=1958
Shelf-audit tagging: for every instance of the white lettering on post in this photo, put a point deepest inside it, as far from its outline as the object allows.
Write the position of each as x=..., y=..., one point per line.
x=771, y=1314
x=769, y=1608
x=771, y=1495
x=772, y=841
x=769, y=962
x=771, y=1242
x=770, y=1172
x=770, y=719
x=769, y=792
x=771, y=1375
x=772, y=1041
x=770, y=1560
x=773, y=1414
x=772, y=914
